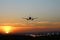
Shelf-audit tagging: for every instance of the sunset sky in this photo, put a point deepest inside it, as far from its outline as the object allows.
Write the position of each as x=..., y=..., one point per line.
x=47, y=11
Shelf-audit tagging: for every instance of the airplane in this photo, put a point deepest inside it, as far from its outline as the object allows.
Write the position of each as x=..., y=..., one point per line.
x=29, y=18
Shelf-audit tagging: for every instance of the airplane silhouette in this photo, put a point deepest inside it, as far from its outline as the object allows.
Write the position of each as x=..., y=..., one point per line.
x=29, y=18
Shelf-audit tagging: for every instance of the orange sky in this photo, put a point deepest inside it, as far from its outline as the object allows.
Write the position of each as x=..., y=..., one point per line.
x=12, y=13
x=31, y=27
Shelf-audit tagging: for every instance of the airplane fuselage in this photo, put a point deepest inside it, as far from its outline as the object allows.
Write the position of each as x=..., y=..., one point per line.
x=29, y=17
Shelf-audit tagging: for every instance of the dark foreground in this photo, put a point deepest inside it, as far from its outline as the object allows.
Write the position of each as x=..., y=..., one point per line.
x=24, y=37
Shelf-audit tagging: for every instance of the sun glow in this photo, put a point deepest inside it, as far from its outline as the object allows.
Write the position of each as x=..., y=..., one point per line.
x=7, y=32
x=6, y=29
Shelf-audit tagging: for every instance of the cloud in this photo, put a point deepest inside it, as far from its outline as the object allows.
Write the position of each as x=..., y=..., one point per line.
x=39, y=24
x=35, y=26
x=56, y=23
x=43, y=22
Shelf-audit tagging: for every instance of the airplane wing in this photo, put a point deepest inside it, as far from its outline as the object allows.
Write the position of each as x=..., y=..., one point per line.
x=24, y=18
x=34, y=18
